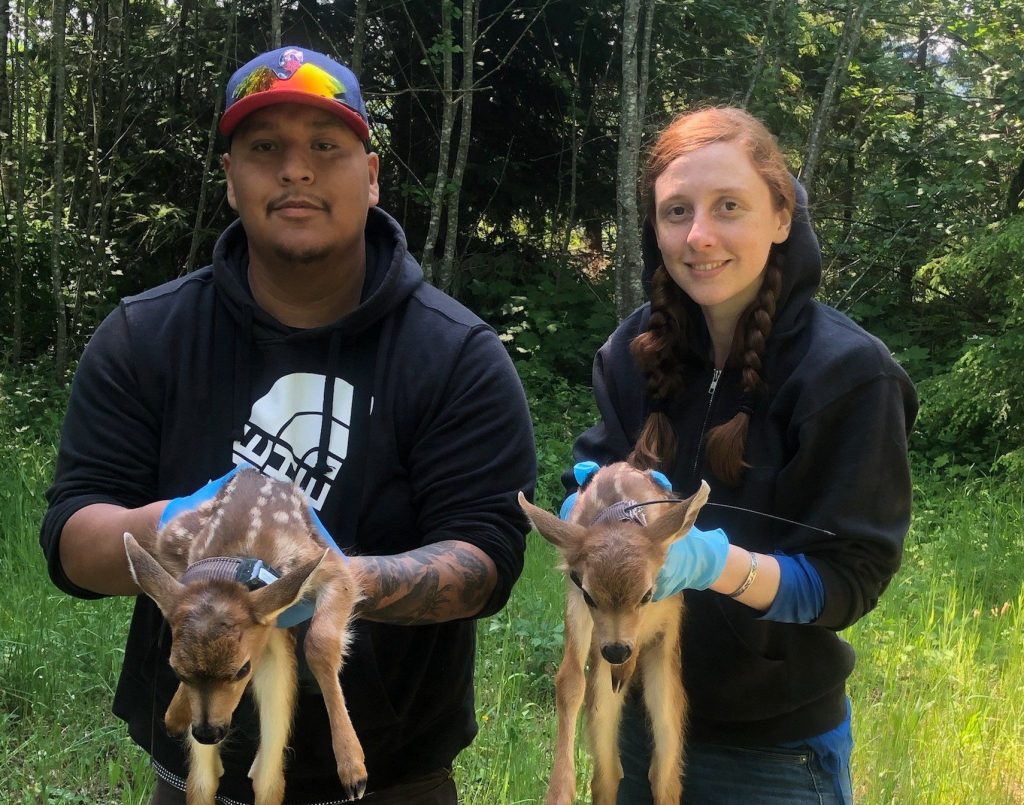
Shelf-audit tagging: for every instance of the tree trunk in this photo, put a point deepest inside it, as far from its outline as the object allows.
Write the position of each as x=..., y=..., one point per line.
x=56, y=284
x=359, y=38
x=437, y=197
x=844, y=52
x=1015, y=196
x=762, y=54
x=627, y=236
x=179, y=52
x=88, y=267
x=5, y=90
x=211, y=142
x=644, y=69
x=470, y=19
x=275, y=29
x=19, y=112
x=915, y=168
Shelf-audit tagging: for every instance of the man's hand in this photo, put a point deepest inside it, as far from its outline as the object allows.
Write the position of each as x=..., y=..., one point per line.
x=436, y=583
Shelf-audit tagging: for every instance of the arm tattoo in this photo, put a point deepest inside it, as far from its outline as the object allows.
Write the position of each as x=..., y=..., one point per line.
x=435, y=583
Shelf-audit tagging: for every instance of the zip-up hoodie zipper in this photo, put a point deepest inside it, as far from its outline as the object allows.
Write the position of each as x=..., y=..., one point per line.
x=715, y=377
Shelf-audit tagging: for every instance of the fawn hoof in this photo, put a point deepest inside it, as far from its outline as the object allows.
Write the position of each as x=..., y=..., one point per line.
x=354, y=790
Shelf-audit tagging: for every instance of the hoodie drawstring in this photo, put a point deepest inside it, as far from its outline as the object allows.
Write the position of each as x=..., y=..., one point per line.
x=327, y=420
x=243, y=345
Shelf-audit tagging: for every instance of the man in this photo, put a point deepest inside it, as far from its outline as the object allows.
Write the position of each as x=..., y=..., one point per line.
x=313, y=350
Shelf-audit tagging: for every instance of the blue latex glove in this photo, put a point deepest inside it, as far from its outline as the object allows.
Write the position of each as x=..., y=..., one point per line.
x=693, y=563
x=582, y=471
x=197, y=498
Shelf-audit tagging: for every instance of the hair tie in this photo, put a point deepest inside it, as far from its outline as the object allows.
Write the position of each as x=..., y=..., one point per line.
x=657, y=405
x=746, y=405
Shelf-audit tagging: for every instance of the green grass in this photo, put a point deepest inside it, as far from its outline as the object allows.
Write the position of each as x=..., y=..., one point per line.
x=938, y=704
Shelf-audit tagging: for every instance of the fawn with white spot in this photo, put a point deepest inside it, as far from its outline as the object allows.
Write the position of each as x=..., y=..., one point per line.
x=224, y=635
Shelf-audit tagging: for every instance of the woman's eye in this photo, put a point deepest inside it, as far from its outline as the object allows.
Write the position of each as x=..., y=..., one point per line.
x=730, y=206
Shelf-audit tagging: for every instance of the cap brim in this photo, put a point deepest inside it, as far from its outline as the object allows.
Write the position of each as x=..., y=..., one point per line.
x=241, y=109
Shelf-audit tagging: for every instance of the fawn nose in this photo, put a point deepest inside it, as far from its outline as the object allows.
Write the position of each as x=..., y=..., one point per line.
x=208, y=734
x=616, y=653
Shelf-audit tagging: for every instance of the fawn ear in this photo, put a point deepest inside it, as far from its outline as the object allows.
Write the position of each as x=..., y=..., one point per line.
x=677, y=521
x=272, y=600
x=558, y=532
x=152, y=579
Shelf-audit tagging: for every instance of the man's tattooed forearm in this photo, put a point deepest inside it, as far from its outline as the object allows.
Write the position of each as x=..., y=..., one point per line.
x=435, y=583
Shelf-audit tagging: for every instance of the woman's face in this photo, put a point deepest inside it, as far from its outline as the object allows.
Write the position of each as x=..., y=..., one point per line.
x=716, y=221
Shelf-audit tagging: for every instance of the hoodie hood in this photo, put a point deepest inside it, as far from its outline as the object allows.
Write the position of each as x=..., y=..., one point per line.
x=801, y=273
x=391, y=276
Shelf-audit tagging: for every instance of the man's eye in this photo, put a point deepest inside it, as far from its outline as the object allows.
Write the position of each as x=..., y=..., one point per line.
x=324, y=147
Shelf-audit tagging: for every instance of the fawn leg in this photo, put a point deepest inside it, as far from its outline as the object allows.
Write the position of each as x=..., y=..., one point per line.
x=325, y=644
x=178, y=718
x=666, y=704
x=274, y=686
x=569, y=688
x=604, y=711
x=204, y=772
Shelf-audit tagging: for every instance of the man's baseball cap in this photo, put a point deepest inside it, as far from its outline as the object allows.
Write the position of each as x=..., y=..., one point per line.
x=295, y=75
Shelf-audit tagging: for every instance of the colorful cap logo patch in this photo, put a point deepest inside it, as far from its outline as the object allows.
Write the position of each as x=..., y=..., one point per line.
x=295, y=75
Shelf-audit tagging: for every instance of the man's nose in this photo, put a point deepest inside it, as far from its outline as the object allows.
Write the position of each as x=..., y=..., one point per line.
x=296, y=167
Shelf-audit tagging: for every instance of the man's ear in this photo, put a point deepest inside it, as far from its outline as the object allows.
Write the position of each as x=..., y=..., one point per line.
x=373, y=168
x=226, y=162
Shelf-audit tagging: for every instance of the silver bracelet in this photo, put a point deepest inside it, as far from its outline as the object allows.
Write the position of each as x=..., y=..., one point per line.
x=748, y=580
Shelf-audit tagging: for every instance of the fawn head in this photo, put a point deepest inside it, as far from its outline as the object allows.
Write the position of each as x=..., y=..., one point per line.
x=613, y=564
x=219, y=631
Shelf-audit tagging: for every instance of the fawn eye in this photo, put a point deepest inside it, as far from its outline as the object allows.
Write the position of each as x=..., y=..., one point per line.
x=575, y=578
x=243, y=671
x=647, y=597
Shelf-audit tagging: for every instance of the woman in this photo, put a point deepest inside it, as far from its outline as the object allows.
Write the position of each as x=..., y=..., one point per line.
x=798, y=419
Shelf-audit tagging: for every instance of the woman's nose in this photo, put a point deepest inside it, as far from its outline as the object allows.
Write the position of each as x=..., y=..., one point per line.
x=702, y=231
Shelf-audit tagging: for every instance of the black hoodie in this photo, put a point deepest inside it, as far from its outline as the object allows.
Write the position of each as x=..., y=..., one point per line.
x=421, y=435
x=827, y=447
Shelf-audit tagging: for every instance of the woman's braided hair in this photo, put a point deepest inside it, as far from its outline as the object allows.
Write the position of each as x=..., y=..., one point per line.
x=659, y=350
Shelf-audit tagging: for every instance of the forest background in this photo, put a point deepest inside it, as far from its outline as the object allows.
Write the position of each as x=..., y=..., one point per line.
x=511, y=136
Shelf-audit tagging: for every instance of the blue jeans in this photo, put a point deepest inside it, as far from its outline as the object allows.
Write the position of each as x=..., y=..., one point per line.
x=729, y=775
